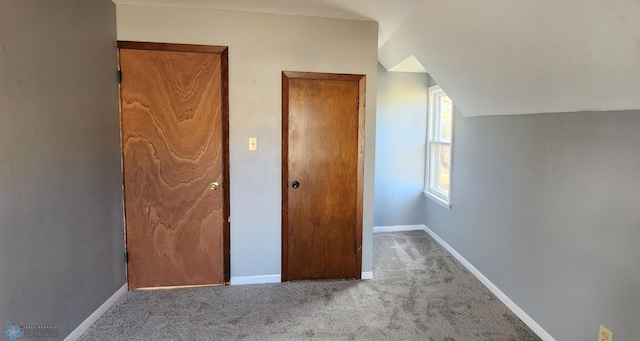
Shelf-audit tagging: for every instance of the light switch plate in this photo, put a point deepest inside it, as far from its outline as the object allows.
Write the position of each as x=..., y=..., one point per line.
x=605, y=334
x=253, y=143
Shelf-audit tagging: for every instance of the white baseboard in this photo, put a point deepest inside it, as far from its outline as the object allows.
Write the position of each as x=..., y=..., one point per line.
x=242, y=280
x=494, y=289
x=76, y=333
x=398, y=228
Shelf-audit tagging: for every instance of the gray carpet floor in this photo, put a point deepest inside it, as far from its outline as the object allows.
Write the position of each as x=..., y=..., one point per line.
x=419, y=292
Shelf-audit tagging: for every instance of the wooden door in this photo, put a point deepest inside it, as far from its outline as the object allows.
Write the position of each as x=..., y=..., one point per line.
x=322, y=175
x=174, y=115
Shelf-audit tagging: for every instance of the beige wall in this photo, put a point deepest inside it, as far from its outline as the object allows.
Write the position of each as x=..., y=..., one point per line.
x=261, y=46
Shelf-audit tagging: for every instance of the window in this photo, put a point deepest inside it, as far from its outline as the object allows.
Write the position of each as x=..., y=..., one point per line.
x=439, y=145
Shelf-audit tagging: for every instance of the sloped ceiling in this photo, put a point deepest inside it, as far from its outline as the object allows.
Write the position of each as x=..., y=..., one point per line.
x=494, y=57
x=500, y=57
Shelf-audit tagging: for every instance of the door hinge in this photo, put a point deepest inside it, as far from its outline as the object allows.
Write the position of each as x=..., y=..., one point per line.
x=119, y=76
x=126, y=256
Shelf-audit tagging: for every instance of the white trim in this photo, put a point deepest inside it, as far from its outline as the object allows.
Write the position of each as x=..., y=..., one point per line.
x=438, y=200
x=170, y=287
x=494, y=289
x=242, y=280
x=366, y=275
x=76, y=333
x=398, y=228
x=444, y=199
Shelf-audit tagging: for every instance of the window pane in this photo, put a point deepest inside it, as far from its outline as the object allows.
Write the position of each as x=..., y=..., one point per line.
x=446, y=111
x=440, y=169
x=439, y=139
x=444, y=165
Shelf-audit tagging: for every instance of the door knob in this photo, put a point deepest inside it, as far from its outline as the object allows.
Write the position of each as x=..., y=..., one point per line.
x=214, y=186
x=295, y=184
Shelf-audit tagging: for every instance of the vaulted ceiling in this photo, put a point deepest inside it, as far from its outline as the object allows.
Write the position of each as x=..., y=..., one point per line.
x=494, y=57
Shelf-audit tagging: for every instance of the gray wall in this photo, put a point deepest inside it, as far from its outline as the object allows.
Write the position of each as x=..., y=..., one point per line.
x=400, y=148
x=547, y=207
x=61, y=250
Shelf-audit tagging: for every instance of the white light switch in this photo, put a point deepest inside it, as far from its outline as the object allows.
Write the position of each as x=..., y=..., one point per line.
x=253, y=143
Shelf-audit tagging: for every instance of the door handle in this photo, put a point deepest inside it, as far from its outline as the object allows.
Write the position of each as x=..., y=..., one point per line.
x=214, y=186
x=295, y=184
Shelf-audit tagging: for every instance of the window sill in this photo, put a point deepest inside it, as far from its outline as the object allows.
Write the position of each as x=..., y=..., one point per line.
x=438, y=200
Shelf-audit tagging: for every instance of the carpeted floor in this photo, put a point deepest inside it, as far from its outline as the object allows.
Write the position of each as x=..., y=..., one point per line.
x=419, y=292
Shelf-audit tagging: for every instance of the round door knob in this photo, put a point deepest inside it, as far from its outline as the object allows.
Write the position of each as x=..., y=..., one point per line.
x=295, y=184
x=214, y=186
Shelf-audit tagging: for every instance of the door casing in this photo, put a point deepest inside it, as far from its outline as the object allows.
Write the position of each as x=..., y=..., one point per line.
x=224, y=110
x=361, y=82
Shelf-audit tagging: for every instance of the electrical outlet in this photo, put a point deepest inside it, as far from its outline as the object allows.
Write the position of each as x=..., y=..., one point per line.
x=605, y=334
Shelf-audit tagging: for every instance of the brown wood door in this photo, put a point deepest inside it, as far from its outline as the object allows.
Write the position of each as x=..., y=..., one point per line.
x=322, y=179
x=175, y=162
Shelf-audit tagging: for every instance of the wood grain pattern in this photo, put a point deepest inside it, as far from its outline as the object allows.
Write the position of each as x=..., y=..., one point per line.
x=174, y=145
x=323, y=149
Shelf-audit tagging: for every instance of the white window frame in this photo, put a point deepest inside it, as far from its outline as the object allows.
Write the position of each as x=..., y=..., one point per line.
x=433, y=124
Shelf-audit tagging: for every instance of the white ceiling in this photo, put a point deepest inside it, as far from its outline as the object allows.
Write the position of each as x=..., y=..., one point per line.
x=388, y=13
x=502, y=57
x=411, y=64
